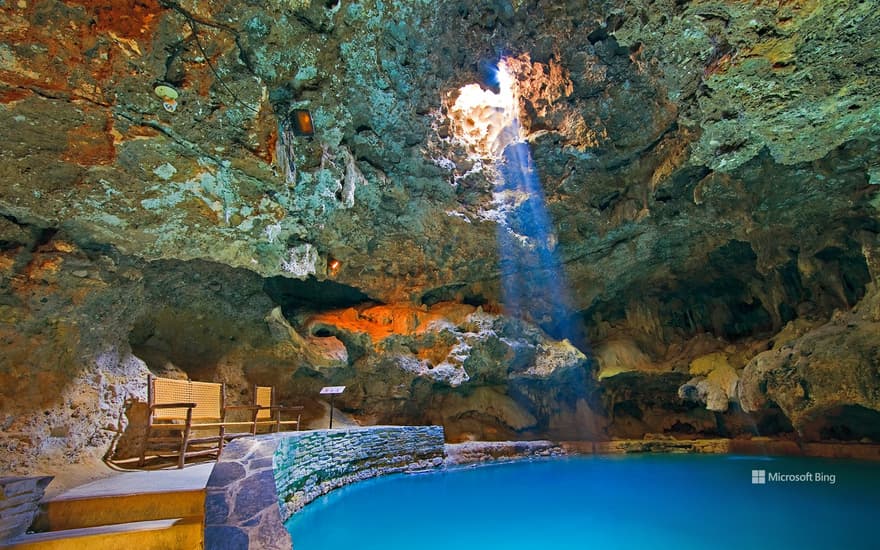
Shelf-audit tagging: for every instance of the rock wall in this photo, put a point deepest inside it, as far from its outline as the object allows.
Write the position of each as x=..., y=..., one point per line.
x=479, y=374
x=242, y=508
x=115, y=318
x=19, y=503
x=826, y=392
x=708, y=171
x=478, y=452
x=259, y=482
x=661, y=132
x=66, y=370
x=311, y=464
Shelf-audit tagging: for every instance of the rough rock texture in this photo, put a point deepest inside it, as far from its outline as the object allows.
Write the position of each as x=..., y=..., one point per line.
x=477, y=452
x=480, y=375
x=831, y=393
x=309, y=465
x=791, y=77
x=242, y=501
x=259, y=483
x=620, y=113
x=66, y=369
x=709, y=179
x=19, y=503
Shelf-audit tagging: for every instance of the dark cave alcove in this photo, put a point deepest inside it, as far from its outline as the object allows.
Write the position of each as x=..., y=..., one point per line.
x=843, y=423
x=295, y=294
x=729, y=298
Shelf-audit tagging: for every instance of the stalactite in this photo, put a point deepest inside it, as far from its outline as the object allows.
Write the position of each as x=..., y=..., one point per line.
x=771, y=294
x=644, y=316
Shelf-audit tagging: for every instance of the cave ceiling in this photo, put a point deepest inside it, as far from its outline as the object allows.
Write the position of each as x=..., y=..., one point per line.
x=667, y=137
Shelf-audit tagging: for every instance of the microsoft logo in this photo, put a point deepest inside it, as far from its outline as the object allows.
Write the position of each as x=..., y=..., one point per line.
x=759, y=477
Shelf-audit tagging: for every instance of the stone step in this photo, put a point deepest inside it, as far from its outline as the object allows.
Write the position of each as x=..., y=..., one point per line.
x=91, y=511
x=128, y=497
x=162, y=534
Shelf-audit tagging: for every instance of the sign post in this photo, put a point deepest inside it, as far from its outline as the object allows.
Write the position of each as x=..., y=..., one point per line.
x=332, y=391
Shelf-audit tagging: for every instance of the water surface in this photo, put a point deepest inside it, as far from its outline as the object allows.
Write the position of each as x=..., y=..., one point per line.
x=652, y=501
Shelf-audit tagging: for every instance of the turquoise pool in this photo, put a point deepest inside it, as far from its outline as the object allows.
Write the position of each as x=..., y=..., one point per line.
x=657, y=501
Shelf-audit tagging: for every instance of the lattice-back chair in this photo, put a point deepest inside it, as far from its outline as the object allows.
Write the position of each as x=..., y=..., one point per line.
x=269, y=413
x=180, y=407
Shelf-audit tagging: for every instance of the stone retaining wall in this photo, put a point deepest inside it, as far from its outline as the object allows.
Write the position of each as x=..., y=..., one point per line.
x=19, y=500
x=315, y=463
x=259, y=482
x=476, y=452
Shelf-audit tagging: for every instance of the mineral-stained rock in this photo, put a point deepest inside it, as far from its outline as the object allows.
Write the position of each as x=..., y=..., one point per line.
x=836, y=365
x=450, y=363
x=627, y=116
x=762, y=75
x=66, y=369
x=708, y=171
x=616, y=356
x=715, y=382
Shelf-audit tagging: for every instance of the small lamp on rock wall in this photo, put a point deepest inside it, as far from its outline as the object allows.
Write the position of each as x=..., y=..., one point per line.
x=333, y=266
x=300, y=121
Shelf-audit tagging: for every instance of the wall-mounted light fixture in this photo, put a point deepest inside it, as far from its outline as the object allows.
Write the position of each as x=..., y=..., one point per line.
x=300, y=121
x=333, y=266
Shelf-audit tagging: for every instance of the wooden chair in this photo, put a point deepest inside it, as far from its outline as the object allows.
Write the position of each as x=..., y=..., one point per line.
x=180, y=407
x=269, y=413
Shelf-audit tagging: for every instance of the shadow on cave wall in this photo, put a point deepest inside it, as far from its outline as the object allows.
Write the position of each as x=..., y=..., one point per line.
x=640, y=404
x=200, y=312
x=208, y=322
x=844, y=423
x=730, y=299
x=311, y=294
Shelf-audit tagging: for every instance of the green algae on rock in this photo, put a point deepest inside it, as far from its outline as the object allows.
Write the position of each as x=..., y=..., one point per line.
x=709, y=167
